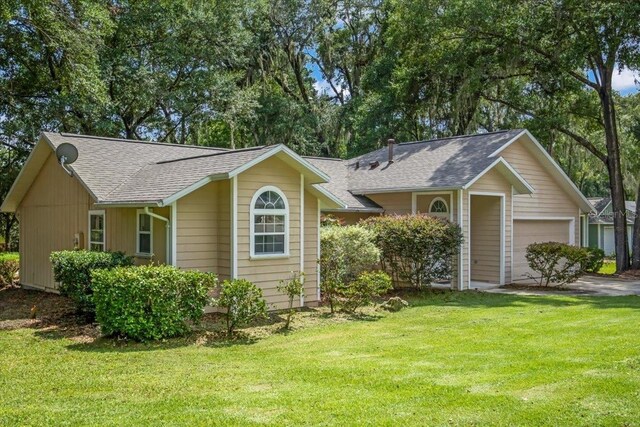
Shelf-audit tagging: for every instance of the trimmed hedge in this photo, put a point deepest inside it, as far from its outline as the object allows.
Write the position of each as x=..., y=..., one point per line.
x=345, y=252
x=242, y=302
x=557, y=263
x=595, y=260
x=416, y=249
x=73, y=270
x=149, y=302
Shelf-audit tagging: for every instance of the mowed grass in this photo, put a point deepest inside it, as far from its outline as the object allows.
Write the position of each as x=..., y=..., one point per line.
x=608, y=267
x=450, y=359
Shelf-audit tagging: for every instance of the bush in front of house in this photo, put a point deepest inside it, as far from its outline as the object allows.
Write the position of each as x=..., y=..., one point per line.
x=72, y=269
x=9, y=267
x=293, y=288
x=242, y=302
x=556, y=263
x=416, y=249
x=149, y=302
x=595, y=260
x=362, y=291
x=345, y=252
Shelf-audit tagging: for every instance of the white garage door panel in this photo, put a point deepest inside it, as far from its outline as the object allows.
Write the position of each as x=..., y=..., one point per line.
x=529, y=231
x=609, y=244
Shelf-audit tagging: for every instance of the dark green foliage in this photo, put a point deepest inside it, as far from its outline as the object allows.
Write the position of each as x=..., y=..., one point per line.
x=416, y=249
x=556, y=263
x=362, y=291
x=149, y=302
x=293, y=288
x=242, y=301
x=595, y=260
x=9, y=267
x=345, y=252
x=72, y=269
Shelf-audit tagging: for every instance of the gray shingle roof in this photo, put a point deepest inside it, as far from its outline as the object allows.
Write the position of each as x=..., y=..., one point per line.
x=339, y=184
x=158, y=181
x=440, y=163
x=105, y=163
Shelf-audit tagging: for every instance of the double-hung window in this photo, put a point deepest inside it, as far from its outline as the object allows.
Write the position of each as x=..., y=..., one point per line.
x=144, y=235
x=269, y=223
x=96, y=231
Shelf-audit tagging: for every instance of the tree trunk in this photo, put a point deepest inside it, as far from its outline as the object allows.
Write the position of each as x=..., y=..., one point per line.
x=635, y=249
x=616, y=185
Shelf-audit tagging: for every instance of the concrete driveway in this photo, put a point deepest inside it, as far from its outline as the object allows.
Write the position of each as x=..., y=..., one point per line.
x=588, y=285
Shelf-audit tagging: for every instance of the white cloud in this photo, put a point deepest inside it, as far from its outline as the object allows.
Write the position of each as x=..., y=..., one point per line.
x=625, y=80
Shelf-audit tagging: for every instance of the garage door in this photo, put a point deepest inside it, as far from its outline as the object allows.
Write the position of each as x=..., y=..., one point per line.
x=526, y=232
x=609, y=243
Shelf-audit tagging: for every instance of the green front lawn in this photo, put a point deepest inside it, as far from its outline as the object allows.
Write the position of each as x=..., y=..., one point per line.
x=608, y=267
x=450, y=359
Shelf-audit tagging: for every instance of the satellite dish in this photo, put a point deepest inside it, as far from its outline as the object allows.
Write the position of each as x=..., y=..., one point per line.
x=66, y=154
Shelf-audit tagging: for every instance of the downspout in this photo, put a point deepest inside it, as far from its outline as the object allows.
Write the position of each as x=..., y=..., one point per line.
x=168, y=233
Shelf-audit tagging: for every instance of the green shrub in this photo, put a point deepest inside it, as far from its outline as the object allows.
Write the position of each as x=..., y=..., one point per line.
x=416, y=249
x=293, y=288
x=9, y=267
x=362, y=291
x=73, y=270
x=9, y=256
x=557, y=263
x=242, y=301
x=595, y=260
x=345, y=252
x=149, y=302
x=394, y=304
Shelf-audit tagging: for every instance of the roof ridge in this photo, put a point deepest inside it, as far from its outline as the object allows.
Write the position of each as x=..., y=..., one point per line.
x=138, y=141
x=323, y=158
x=240, y=150
x=471, y=135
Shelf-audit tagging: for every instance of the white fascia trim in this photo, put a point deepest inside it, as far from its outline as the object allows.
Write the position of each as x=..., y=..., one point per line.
x=359, y=192
x=587, y=204
x=329, y=195
x=501, y=161
x=278, y=149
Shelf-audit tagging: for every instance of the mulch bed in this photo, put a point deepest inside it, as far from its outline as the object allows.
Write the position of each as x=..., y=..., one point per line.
x=51, y=313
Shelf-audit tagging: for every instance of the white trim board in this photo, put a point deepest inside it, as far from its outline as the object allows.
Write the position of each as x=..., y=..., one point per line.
x=301, y=239
x=234, y=227
x=502, y=197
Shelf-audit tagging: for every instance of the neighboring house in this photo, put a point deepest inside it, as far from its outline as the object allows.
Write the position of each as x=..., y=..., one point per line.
x=254, y=213
x=601, y=224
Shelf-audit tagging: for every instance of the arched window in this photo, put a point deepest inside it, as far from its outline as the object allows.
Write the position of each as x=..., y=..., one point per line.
x=269, y=223
x=439, y=208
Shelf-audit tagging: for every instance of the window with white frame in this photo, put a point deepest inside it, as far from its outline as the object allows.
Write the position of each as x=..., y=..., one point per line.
x=439, y=208
x=96, y=231
x=269, y=223
x=144, y=238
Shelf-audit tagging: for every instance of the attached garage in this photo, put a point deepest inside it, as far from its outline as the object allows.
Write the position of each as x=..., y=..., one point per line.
x=527, y=231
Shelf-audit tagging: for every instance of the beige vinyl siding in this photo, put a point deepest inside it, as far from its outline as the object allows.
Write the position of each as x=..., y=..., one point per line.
x=267, y=272
x=310, y=248
x=485, y=238
x=54, y=209
x=121, y=233
x=493, y=182
x=198, y=229
x=393, y=203
x=548, y=199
